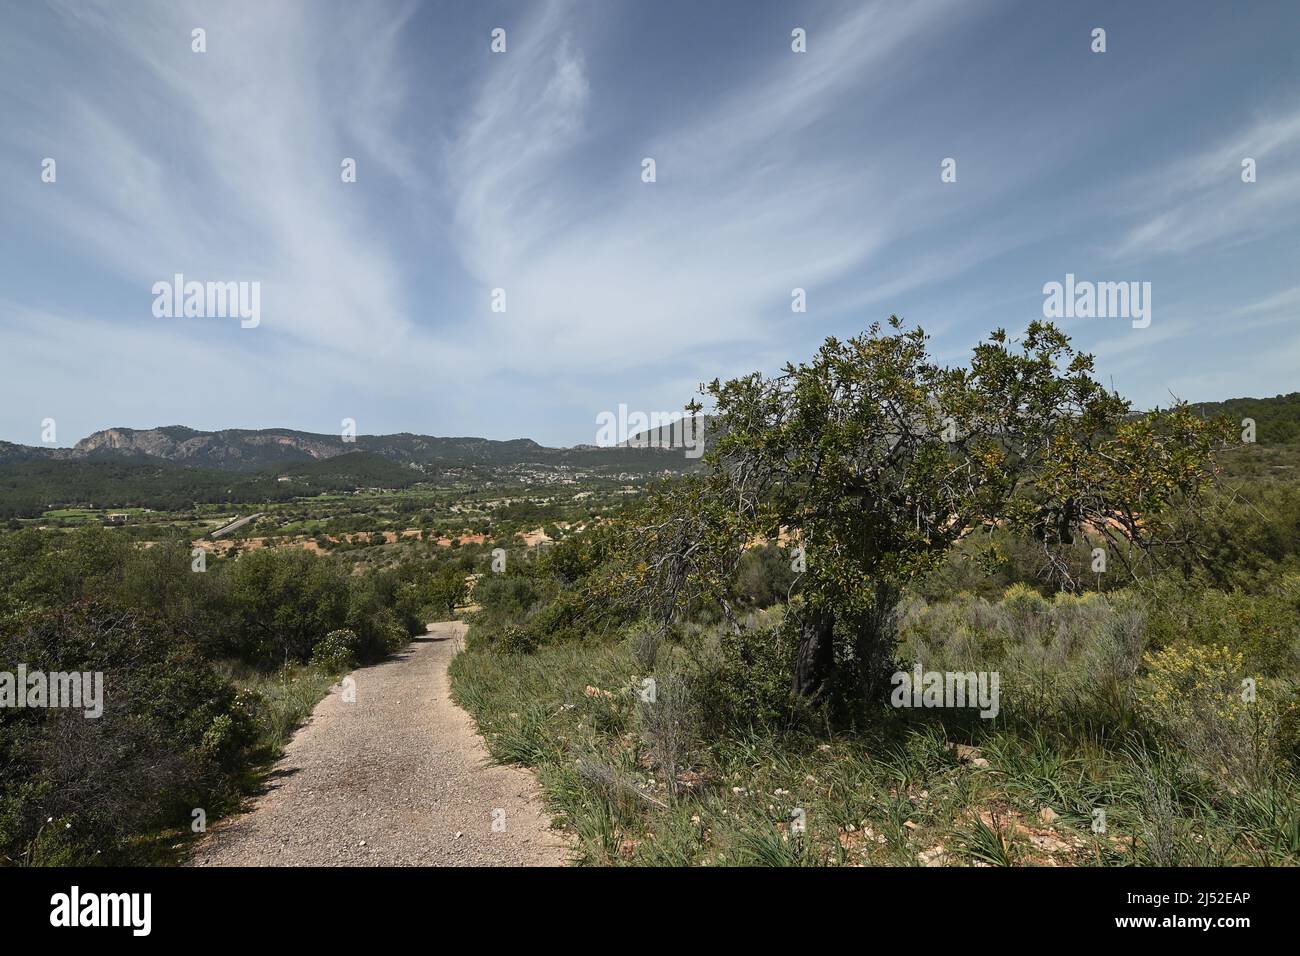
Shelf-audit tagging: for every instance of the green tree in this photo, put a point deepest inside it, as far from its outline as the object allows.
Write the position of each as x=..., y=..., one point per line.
x=875, y=461
x=448, y=588
x=283, y=602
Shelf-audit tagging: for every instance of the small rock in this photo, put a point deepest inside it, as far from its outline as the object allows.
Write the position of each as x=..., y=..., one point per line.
x=1048, y=815
x=1048, y=842
x=935, y=856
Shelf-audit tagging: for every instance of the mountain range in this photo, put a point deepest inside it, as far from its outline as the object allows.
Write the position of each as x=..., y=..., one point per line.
x=238, y=450
x=174, y=467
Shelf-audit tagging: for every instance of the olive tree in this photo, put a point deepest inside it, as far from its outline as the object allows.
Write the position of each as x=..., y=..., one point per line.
x=447, y=589
x=873, y=461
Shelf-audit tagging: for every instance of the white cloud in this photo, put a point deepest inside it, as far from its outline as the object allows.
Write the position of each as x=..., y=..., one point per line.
x=744, y=209
x=1202, y=200
x=1280, y=307
x=225, y=165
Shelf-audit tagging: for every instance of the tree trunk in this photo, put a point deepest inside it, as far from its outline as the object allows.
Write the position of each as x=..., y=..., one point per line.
x=876, y=642
x=816, y=657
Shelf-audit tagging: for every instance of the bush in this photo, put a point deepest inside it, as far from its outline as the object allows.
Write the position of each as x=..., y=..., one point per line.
x=644, y=640
x=562, y=620
x=505, y=595
x=764, y=577
x=745, y=679
x=171, y=643
x=337, y=650
x=1263, y=628
x=515, y=639
x=669, y=726
x=171, y=727
x=283, y=601
x=1059, y=660
x=1228, y=723
x=1028, y=613
x=379, y=634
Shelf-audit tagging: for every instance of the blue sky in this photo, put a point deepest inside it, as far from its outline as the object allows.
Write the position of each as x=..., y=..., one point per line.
x=522, y=171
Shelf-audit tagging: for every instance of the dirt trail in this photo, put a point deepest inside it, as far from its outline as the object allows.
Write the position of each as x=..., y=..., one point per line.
x=399, y=777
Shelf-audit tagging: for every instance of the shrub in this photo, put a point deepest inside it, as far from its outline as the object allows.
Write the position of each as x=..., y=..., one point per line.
x=561, y=620
x=282, y=601
x=669, y=726
x=337, y=650
x=1199, y=696
x=764, y=577
x=170, y=727
x=745, y=678
x=379, y=633
x=505, y=594
x=1028, y=613
x=644, y=639
x=515, y=639
x=1262, y=627
x=1112, y=658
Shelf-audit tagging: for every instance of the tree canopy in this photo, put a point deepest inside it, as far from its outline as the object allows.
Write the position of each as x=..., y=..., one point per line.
x=874, y=460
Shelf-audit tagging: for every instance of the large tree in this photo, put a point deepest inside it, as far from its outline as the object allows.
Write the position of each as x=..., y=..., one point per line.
x=447, y=588
x=875, y=460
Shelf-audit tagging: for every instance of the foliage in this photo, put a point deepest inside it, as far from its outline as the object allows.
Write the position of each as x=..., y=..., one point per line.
x=890, y=793
x=175, y=647
x=283, y=602
x=1228, y=722
x=170, y=729
x=448, y=589
x=337, y=650
x=877, y=462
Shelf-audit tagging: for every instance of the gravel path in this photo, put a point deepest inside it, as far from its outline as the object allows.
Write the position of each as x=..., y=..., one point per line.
x=400, y=777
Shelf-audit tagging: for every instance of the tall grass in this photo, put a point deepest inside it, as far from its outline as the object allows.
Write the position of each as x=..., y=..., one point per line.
x=287, y=698
x=1075, y=770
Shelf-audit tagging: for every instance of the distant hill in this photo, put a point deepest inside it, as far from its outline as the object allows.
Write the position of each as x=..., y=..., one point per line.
x=1277, y=419
x=31, y=486
x=237, y=449
x=174, y=467
x=254, y=449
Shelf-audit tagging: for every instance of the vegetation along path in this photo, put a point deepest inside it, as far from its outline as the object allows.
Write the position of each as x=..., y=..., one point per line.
x=398, y=777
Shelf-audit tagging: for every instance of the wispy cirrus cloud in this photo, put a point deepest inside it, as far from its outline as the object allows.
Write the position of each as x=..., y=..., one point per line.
x=218, y=165
x=775, y=170
x=1202, y=199
x=746, y=205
